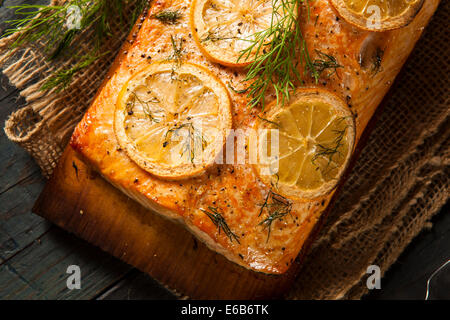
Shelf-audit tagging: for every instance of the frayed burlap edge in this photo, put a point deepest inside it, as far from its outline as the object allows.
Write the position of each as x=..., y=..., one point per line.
x=28, y=68
x=400, y=181
x=25, y=127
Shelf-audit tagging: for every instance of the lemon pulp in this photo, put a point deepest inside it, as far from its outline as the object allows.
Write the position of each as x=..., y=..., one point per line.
x=224, y=28
x=315, y=138
x=171, y=120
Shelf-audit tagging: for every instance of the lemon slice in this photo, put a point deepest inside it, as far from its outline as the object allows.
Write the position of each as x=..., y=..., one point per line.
x=172, y=120
x=316, y=135
x=224, y=28
x=378, y=15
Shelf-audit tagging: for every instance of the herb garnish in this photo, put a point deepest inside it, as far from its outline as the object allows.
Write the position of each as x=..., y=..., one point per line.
x=277, y=208
x=214, y=37
x=219, y=221
x=168, y=17
x=177, y=50
x=48, y=24
x=61, y=79
x=324, y=62
x=194, y=139
x=145, y=107
x=277, y=53
x=329, y=151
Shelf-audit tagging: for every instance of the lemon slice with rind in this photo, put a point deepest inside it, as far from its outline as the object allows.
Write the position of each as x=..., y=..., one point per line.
x=172, y=120
x=378, y=15
x=316, y=134
x=224, y=28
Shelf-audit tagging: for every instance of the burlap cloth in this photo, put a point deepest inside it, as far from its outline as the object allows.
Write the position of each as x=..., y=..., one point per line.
x=399, y=182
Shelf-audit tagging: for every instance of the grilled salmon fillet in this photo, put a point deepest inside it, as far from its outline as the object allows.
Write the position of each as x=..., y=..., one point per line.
x=370, y=62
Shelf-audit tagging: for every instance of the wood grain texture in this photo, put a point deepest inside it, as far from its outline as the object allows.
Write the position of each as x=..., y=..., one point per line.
x=40, y=271
x=81, y=202
x=137, y=286
x=20, y=184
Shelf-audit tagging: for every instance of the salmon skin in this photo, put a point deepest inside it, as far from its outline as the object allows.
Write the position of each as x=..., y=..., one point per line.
x=369, y=63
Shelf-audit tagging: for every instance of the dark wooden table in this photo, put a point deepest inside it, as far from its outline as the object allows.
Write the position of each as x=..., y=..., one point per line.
x=34, y=255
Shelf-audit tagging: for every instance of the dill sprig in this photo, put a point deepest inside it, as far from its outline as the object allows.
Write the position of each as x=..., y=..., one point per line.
x=49, y=24
x=145, y=106
x=214, y=36
x=194, y=139
x=177, y=50
x=324, y=62
x=168, y=17
x=277, y=52
x=219, y=221
x=61, y=79
x=36, y=22
x=277, y=208
x=332, y=150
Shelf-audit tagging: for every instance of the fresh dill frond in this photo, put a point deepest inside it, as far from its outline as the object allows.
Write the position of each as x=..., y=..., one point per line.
x=219, y=221
x=325, y=62
x=48, y=24
x=277, y=51
x=277, y=208
x=194, y=139
x=177, y=50
x=214, y=36
x=168, y=17
x=331, y=150
x=61, y=79
x=145, y=106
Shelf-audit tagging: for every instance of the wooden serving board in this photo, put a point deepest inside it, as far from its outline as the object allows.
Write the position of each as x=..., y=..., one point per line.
x=80, y=201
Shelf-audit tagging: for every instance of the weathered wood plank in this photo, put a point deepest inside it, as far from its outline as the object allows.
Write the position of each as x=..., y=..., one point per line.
x=20, y=184
x=137, y=286
x=16, y=163
x=39, y=271
x=18, y=226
